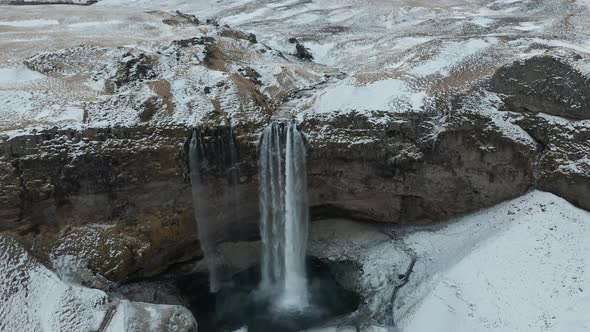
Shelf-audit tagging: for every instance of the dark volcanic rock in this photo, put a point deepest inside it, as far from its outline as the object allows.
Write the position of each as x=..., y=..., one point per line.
x=135, y=68
x=105, y=182
x=547, y=83
x=396, y=173
x=549, y=97
x=563, y=167
x=303, y=52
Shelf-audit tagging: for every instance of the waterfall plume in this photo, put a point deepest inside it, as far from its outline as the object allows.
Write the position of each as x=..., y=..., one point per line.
x=284, y=214
x=219, y=155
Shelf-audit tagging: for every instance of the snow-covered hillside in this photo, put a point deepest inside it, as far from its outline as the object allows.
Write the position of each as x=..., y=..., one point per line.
x=398, y=55
x=518, y=266
x=521, y=266
x=35, y=299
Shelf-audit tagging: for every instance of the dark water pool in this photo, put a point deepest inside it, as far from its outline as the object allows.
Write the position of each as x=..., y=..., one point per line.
x=241, y=304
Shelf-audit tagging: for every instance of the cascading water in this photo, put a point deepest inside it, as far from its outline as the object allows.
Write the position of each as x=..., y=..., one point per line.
x=224, y=158
x=284, y=300
x=284, y=214
x=198, y=166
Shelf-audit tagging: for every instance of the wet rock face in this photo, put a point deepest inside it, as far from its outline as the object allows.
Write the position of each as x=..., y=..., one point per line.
x=548, y=96
x=563, y=167
x=548, y=83
x=125, y=191
x=396, y=173
x=60, y=186
x=104, y=172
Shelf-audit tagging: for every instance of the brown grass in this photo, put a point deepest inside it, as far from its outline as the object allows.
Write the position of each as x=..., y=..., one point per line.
x=162, y=89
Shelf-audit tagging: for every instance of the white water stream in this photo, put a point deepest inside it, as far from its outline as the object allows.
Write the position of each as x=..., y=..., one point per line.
x=284, y=215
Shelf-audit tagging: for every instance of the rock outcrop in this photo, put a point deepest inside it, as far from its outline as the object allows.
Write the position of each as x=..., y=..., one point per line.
x=34, y=298
x=547, y=96
x=563, y=165
x=408, y=168
x=554, y=83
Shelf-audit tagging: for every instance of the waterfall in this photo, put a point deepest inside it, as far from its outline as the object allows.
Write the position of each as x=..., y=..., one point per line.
x=198, y=168
x=284, y=214
x=210, y=190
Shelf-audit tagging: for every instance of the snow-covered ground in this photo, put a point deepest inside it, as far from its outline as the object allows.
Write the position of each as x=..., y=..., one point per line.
x=397, y=55
x=520, y=266
x=35, y=299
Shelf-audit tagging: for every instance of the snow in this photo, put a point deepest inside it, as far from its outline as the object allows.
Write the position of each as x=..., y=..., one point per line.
x=65, y=84
x=389, y=95
x=583, y=67
x=57, y=114
x=34, y=298
x=379, y=259
x=451, y=55
x=99, y=24
x=399, y=54
x=519, y=266
x=29, y=23
x=483, y=21
x=139, y=316
x=580, y=47
x=9, y=76
x=242, y=329
x=14, y=106
x=529, y=26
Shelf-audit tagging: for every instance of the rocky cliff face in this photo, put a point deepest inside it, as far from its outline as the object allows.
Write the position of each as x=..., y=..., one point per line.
x=402, y=171
x=401, y=168
x=553, y=83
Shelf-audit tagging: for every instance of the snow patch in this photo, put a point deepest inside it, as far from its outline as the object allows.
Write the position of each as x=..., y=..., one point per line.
x=488, y=103
x=29, y=23
x=483, y=21
x=35, y=299
x=386, y=95
x=11, y=76
x=452, y=54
